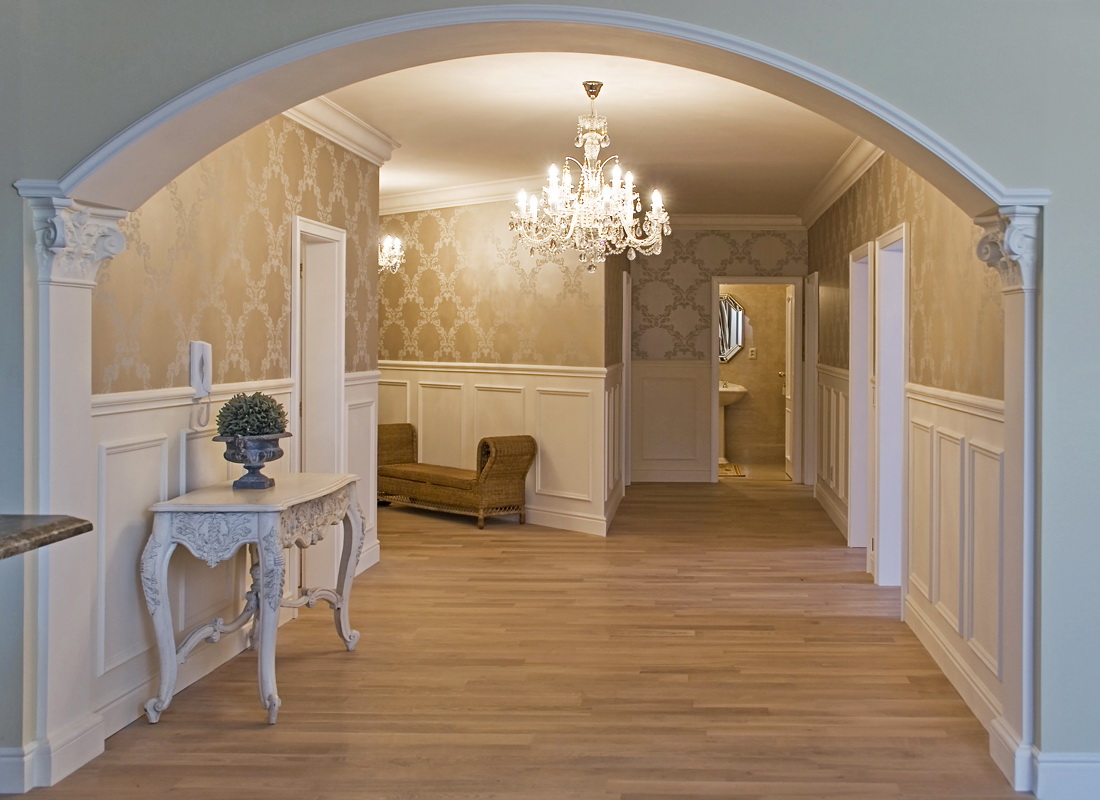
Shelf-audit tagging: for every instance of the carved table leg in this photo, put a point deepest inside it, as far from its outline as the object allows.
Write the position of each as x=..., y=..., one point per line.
x=154, y=582
x=349, y=560
x=270, y=597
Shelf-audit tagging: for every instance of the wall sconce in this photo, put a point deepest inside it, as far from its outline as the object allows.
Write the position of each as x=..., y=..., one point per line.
x=391, y=254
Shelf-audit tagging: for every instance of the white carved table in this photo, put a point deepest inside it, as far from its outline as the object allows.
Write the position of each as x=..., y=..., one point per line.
x=216, y=521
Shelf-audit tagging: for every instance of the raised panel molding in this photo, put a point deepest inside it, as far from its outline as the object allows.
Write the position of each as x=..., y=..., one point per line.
x=831, y=488
x=562, y=407
x=439, y=424
x=394, y=401
x=920, y=507
x=671, y=436
x=121, y=538
x=985, y=535
x=956, y=479
x=564, y=434
x=948, y=557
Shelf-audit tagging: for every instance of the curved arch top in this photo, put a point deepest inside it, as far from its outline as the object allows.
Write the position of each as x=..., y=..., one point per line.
x=133, y=165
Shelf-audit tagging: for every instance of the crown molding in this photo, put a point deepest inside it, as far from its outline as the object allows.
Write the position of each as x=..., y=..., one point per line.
x=466, y=195
x=856, y=160
x=736, y=222
x=340, y=126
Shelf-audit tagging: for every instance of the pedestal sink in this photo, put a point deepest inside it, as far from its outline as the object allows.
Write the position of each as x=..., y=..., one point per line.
x=728, y=394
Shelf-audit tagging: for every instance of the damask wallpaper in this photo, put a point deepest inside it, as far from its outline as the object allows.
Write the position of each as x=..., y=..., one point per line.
x=672, y=291
x=956, y=321
x=208, y=258
x=468, y=292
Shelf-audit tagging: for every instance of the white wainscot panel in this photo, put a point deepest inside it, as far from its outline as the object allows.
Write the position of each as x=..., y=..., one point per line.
x=133, y=474
x=393, y=401
x=498, y=411
x=955, y=493
x=920, y=507
x=985, y=531
x=439, y=427
x=362, y=431
x=831, y=489
x=563, y=463
x=671, y=421
x=947, y=572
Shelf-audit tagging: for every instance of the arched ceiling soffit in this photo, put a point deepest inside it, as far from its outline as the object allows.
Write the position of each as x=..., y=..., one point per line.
x=132, y=166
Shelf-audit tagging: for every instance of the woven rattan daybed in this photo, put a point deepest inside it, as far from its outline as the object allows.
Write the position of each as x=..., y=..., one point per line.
x=495, y=488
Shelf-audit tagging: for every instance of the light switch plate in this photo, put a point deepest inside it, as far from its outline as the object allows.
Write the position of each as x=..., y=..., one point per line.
x=752, y=353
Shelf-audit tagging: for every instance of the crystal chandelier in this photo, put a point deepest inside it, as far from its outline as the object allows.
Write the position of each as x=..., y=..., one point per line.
x=596, y=217
x=391, y=255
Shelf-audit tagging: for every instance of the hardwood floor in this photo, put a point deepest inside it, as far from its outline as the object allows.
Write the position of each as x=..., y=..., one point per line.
x=721, y=643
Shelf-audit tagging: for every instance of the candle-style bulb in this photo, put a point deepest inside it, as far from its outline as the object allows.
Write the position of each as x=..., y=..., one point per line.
x=657, y=200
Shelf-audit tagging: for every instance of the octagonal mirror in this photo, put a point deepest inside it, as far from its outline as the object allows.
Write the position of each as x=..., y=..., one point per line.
x=730, y=327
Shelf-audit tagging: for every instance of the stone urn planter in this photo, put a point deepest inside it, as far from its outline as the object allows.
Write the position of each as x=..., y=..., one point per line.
x=251, y=427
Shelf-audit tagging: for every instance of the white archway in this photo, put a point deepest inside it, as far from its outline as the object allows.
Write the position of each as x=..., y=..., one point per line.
x=133, y=165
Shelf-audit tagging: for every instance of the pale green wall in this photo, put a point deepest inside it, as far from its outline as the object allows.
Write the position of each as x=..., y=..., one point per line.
x=1005, y=81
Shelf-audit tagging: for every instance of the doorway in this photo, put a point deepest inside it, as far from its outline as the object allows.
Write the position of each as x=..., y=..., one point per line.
x=317, y=369
x=879, y=367
x=757, y=402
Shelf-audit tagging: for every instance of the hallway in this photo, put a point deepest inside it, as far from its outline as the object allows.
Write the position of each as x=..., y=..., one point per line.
x=721, y=643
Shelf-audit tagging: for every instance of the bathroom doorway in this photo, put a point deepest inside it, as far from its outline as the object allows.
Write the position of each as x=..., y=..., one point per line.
x=756, y=361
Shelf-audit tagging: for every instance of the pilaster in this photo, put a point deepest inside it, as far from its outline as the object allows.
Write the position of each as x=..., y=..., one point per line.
x=72, y=241
x=1010, y=245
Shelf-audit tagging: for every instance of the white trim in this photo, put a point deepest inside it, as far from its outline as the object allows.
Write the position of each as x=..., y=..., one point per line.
x=986, y=407
x=17, y=768
x=861, y=265
x=508, y=369
x=737, y=222
x=68, y=750
x=93, y=176
x=173, y=397
x=849, y=168
x=366, y=378
x=833, y=372
x=833, y=505
x=671, y=476
x=341, y=127
x=1065, y=776
x=469, y=194
x=567, y=520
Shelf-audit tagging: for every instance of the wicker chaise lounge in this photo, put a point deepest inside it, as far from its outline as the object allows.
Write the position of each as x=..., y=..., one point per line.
x=496, y=487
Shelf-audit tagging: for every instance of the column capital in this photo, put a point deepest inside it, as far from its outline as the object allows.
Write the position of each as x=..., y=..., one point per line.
x=1011, y=245
x=72, y=241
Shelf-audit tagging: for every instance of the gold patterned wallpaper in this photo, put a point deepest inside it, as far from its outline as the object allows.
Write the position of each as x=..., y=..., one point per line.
x=672, y=291
x=208, y=258
x=956, y=320
x=468, y=292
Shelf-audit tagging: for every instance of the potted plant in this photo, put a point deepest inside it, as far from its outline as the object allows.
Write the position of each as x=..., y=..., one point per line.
x=251, y=427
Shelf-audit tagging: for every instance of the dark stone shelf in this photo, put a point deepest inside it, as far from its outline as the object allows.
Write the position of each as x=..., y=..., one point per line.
x=20, y=532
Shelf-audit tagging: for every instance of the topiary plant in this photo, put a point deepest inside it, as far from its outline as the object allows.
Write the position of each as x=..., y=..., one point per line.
x=251, y=415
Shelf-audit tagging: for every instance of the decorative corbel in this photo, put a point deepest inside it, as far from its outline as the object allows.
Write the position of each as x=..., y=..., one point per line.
x=1011, y=245
x=72, y=241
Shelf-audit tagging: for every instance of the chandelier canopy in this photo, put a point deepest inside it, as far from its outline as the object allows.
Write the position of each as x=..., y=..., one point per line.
x=595, y=216
x=391, y=255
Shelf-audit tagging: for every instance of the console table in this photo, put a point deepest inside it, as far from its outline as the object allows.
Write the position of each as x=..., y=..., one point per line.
x=216, y=521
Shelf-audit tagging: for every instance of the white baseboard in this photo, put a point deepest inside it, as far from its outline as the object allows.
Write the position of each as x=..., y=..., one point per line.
x=371, y=555
x=17, y=769
x=1013, y=757
x=581, y=523
x=1066, y=776
x=1004, y=744
x=670, y=476
x=68, y=750
x=612, y=506
x=833, y=505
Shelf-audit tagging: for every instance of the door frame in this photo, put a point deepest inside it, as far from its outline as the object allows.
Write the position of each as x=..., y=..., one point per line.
x=810, y=345
x=860, y=320
x=797, y=430
x=326, y=250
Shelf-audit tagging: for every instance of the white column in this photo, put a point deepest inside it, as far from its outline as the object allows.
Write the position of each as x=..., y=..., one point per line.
x=1010, y=245
x=71, y=243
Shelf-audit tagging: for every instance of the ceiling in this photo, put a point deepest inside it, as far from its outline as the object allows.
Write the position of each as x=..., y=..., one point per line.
x=711, y=145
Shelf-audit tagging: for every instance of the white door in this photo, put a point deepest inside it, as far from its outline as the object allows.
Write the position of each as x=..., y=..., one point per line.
x=319, y=367
x=789, y=368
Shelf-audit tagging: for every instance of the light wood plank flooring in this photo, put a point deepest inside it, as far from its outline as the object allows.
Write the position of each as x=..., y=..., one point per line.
x=722, y=643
